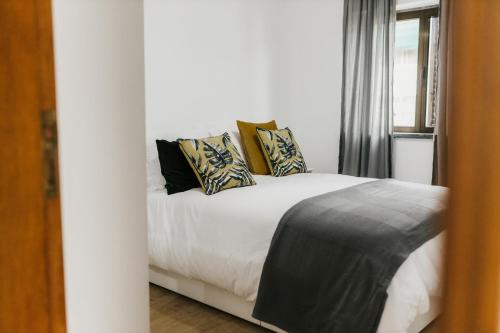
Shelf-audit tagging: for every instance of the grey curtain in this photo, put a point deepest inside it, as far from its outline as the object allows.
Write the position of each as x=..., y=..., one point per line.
x=440, y=164
x=367, y=98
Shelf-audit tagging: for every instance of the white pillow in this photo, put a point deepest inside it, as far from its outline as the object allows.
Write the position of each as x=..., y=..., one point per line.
x=155, y=179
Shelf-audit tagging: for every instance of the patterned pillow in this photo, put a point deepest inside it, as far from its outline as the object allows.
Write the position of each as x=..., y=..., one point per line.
x=217, y=163
x=282, y=152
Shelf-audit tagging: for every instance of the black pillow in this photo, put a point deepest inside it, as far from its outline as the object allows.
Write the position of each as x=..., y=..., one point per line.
x=174, y=167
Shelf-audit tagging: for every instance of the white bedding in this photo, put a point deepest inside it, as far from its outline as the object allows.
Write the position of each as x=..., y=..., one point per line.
x=223, y=240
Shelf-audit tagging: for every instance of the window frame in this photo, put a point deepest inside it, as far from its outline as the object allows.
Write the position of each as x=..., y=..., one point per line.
x=424, y=16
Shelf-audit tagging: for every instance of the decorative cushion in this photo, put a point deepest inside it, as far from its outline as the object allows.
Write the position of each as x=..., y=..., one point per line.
x=234, y=135
x=174, y=167
x=217, y=163
x=282, y=152
x=251, y=146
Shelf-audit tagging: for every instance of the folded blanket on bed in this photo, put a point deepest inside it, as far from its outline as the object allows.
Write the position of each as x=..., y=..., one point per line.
x=333, y=256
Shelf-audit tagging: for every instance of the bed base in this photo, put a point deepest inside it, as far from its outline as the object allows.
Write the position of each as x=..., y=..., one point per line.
x=228, y=302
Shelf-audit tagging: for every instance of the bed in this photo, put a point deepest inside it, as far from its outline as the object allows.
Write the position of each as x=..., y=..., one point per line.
x=212, y=248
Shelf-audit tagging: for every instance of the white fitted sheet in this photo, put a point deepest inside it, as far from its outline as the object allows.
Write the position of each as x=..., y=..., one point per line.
x=223, y=240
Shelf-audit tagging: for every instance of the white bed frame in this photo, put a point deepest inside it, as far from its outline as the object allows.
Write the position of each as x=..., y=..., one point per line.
x=239, y=307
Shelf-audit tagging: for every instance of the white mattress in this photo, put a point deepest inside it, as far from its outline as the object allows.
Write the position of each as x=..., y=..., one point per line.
x=223, y=240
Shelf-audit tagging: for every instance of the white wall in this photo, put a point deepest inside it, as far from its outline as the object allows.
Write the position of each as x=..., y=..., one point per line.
x=207, y=62
x=307, y=75
x=412, y=4
x=100, y=97
x=217, y=61
x=412, y=160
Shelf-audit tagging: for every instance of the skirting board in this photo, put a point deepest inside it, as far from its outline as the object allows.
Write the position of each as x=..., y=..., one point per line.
x=228, y=302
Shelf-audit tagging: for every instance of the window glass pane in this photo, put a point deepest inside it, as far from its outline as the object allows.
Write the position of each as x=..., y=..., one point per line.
x=432, y=84
x=405, y=72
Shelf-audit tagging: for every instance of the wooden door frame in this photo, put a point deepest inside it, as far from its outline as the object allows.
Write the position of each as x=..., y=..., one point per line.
x=27, y=44
x=53, y=204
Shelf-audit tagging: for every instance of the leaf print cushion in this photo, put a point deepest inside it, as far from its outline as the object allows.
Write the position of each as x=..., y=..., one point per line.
x=216, y=163
x=282, y=152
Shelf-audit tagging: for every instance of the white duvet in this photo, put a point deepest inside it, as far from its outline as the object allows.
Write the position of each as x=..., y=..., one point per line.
x=223, y=240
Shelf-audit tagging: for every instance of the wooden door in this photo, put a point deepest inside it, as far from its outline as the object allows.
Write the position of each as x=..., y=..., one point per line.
x=472, y=283
x=31, y=273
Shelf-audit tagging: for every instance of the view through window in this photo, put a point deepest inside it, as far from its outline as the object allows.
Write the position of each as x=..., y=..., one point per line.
x=415, y=71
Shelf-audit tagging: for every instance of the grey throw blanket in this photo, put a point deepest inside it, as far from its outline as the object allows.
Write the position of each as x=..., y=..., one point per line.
x=333, y=256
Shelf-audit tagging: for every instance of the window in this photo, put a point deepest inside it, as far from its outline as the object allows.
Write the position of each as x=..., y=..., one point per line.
x=415, y=71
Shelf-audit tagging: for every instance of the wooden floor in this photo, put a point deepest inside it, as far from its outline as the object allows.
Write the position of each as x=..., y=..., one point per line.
x=173, y=313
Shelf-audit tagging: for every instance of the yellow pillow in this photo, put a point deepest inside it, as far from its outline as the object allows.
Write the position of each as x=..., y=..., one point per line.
x=251, y=146
x=282, y=152
x=216, y=163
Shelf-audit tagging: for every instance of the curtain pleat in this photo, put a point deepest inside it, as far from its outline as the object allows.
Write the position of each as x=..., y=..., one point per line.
x=367, y=96
x=440, y=163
